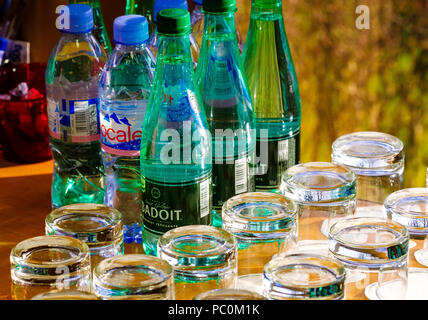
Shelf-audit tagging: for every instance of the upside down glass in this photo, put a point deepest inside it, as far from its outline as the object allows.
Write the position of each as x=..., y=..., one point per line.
x=374, y=252
x=301, y=276
x=378, y=162
x=324, y=192
x=133, y=277
x=44, y=263
x=264, y=224
x=409, y=207
x=100, y=227
x=203, y=258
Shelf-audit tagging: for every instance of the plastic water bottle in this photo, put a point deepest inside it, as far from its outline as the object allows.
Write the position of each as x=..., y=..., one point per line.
x=154, y=39
x=274, y=91
x=143, y=8
x=72, y=79
x=223, y=85
x=176, y=144
x=100, y=31
x=124, y=91
x=197, y=20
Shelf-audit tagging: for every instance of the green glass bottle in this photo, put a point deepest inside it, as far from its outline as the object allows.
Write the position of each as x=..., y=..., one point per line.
x=176, y=143
x=274, y=91
x=99, y=31
x=142, y=7
x=222, y=82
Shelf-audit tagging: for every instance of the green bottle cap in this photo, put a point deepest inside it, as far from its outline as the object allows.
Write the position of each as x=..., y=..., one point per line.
x=219, y=6
x=173, y=21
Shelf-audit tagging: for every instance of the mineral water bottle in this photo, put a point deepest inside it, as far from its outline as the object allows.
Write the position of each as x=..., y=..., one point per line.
x=226, y=99
x=143, y=8
x=176, y=144
x=275, y=93
x=154, y=39
x=197, y=20
x=124, y=91
x=99, y=31
x=72, y=79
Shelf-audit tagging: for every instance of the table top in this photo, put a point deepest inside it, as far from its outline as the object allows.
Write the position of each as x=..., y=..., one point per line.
x=25, y=202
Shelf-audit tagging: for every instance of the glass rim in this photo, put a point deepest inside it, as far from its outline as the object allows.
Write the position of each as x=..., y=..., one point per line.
x=415, y=221
x=373, y=254
x=70, y=294
x=110, y=231
x=224, y=242
x=18, y=253
x=296, y=183
x=391, y=159
x=229, y=294
x=132, y=262
x=283, y=217
x=332, y=288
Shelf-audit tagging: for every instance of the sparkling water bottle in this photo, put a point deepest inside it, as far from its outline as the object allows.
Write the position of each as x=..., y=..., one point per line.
x=72, y=79
x=197, y=20
x=274, y=91
x=124, y=91
x=154, y=39
x=226, y=98
x=176, y=144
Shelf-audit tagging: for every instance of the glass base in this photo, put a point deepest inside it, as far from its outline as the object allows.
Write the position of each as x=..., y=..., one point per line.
x=421, y=257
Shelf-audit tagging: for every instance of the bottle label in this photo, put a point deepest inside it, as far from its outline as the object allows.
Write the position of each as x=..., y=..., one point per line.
x=168, y=206
x=230, y=179
x=74, y=121
x=121, y=127
x=283, y=153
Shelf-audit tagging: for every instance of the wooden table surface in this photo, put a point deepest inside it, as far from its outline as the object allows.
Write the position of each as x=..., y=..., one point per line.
x=25, y=202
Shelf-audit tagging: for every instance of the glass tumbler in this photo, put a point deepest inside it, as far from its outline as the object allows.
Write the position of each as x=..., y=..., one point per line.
x=133, y=277
x=264, y=224
x=44, y=263
x=300, y=276
x=324, y=192
x=100, y=227
x=203, y=258
x=409, y=207
x=377, y=160
x=374, y=252
x=229, y=294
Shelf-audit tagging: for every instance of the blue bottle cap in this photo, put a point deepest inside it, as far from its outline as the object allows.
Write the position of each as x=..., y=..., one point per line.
x=130, y=29
x=198, y=2
x=77, y=18
x=168, y=4
x=3, y=43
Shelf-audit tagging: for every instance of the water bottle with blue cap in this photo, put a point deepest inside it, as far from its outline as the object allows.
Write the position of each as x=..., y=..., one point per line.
x=154, y=38
x=124, y=91
x=72, y=79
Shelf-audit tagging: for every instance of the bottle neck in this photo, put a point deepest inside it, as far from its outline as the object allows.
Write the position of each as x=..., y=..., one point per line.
x=128, y=48
x=92, y=3
x=266, y=10
x=219, y=26
x=174, y=50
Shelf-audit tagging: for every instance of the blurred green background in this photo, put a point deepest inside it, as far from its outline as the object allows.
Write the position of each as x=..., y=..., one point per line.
x=350, y=79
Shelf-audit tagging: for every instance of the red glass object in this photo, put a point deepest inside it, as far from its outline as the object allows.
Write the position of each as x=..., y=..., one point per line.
x=24, y=135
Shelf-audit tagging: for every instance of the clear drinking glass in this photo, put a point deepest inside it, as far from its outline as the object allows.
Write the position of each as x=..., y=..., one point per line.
x=374, y=252
x=65, y=295
x=133, y=277
x=100, y=227
x=377, y=160
x=324, y=192
x=203, y=257
x=229, y=294
x=264, y=224
x=299, y=276
x=409, y=207
x=44, y=263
